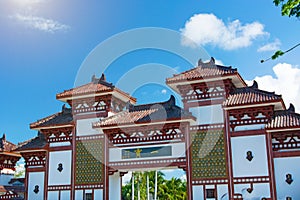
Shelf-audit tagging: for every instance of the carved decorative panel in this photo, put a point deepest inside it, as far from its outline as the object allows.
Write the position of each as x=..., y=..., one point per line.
x=59, y=134
x=204, y=91
x=166, y=132
x=286, y=141
x=35, y=158
x=250, y=116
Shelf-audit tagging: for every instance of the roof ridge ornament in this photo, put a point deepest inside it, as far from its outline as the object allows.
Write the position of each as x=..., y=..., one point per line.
x=94, y=79
x=291, y=108
x=102, y=78
x=254, y=85
x=211, y=62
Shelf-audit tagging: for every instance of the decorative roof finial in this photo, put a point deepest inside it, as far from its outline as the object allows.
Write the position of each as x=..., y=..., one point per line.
x=212, y=60
x=254, y=85
x=94, y=79
x=291, y=108
x=103, y=78
x=4, y=137
x=200, y=62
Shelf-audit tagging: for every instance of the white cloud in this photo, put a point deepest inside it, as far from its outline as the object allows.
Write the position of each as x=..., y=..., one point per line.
x=164, y=91
x=286, y=82
x=203, y=29
x=270, y=47
x=40, y=23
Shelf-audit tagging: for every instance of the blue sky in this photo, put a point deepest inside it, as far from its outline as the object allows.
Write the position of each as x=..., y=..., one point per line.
x=43, y=43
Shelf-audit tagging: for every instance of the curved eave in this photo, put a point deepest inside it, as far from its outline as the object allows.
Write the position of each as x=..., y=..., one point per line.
x=278, y=105
x=29, y=150
x=191, y=120
x=51, y=126
x=115, y=92
x=13, y=153
x=66, y=98
x=283, y=129
x=237, y=80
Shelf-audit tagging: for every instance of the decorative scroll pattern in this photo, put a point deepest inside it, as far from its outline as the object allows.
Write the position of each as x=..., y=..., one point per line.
x=92, y=104
x=286, y=141
x=250, y=116
x=145, y=134
x=89, y=162
x=59, y=134
x=208, y=155
x=204, y=91
x=35, y=158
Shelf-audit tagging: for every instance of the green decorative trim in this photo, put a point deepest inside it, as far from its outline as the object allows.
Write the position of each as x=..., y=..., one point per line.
x=89, y=162
x=208, y=155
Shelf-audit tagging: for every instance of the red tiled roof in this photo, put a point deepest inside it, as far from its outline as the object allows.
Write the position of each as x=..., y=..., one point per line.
x=204, y=70
x=146, y=113
x=96, y=86
x=285, y=119
x=125, y=117
x=6, y=146
x=250, y=95
x=90, y=88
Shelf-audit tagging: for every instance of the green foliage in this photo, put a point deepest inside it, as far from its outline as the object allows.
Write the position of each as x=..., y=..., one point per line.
x=289, y=7
x=277, y=54
x=174, y=189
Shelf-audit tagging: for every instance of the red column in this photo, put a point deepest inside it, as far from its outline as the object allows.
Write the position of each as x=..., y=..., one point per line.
x=188, y=162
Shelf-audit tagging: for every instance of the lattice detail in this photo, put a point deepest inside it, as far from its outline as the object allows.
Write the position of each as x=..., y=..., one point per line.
x=204, y=91
x=286, y=141
x=89, y=162
x=117, y=105
x=59, y=134
x=92, y=104
x=208, y=155
x=250, y=116
x=34, y=158
x=8, y=162
x=145, y=134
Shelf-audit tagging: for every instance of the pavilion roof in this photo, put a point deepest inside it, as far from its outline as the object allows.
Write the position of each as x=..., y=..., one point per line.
x=96, y=86
x=65, y=117
x=5, y=145
x=38, y=142
x=202, y=71
x=250, y=95
x=145, y=113
x=284, y=119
